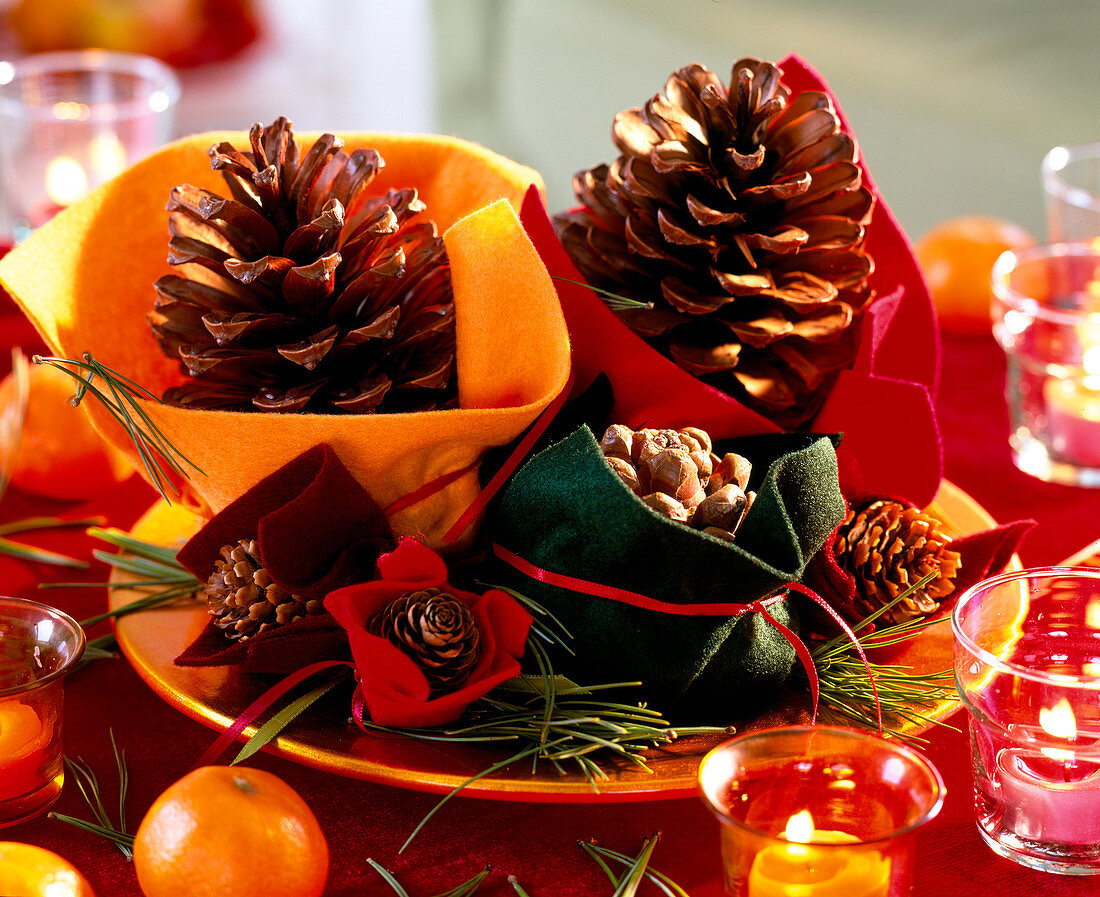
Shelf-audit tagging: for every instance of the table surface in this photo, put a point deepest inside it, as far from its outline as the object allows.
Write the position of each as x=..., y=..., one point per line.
x=534, y=842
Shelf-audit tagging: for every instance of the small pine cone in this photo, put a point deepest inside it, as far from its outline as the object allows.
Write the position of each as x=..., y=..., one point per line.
x=887, y=547
x=242, y=598
x=436, y=630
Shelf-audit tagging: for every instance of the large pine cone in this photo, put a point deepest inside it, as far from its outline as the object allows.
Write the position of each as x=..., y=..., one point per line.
x=242, y=598
x=888, y=547
x=436, y=630
x=677, y=474
x=738, y=215
x=303, y=292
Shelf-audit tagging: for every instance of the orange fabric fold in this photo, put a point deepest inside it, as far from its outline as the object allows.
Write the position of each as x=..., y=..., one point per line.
x=86, y=279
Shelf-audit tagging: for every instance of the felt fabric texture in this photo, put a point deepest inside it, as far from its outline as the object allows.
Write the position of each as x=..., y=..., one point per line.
x=162, y=744
x=896, y=449
x=316, y=530
x=567, y=512
x=392, y=685
x=86, y=281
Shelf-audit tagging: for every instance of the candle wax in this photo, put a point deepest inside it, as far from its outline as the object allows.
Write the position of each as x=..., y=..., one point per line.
x=1073, y=421
x=23, y=743
x=1057, y=802
x=794, y=869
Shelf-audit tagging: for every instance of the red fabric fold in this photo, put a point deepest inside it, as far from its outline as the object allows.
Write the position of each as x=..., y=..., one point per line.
x=316, y=530
x=883, y=406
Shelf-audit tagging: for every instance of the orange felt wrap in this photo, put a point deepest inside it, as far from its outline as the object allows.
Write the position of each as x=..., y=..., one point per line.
x=86, y=279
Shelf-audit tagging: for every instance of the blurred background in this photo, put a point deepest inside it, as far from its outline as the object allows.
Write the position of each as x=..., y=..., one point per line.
x=954, y=103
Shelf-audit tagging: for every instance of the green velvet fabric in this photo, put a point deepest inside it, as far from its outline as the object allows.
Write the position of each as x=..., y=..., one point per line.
x=567, y=512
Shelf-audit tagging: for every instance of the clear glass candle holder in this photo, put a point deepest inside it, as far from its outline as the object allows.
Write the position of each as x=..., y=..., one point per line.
x=1046, y=317
x=1027, y=666
x=39, y=646
x=71, y=121
x=1071, y=184
x=818, y=811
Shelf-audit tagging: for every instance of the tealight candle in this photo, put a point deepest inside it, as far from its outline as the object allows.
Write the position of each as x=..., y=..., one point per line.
x=71, y=121
x=802, y=867
x=24, y=741
x=1050, y=800
x=818, y=811
x=39, y=645
x=1027, y=665
x=1073, y=420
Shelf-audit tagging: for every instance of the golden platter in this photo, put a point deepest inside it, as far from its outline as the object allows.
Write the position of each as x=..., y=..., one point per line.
x=323, y=739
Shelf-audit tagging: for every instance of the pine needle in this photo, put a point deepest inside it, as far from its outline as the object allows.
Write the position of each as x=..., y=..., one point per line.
x=119, y=397
x=614, y=301
x=903, y=696
x=88, y=785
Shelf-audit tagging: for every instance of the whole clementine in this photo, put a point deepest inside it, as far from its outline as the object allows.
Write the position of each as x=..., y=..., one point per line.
x=30, y=871
x=52, y=447
x=956, y=257
x=232, y=832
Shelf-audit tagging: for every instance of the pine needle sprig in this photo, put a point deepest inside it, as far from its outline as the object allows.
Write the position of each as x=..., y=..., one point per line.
x=466, y=889
x=14, y=426
x=151, y=568
x=548, y=718
x=119, y=397
x=904, y=696
x=88, y=784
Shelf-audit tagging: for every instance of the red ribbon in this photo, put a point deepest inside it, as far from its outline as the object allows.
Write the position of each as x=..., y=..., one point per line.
x=635, y=599
x=254, y=710
x=508, y=468
x=825, y=606
x=429, y=488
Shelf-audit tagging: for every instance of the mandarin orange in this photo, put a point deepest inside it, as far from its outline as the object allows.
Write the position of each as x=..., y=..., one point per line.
x=57, y=452
x=956, y=257
x=230, y=831
x=29, y=871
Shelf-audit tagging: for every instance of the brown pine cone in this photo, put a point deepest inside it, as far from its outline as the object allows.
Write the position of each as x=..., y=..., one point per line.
x=737, y=216
x=242, y=598
x=436, y=630
x=676, y=473
x=887, y=547
x=302, y=291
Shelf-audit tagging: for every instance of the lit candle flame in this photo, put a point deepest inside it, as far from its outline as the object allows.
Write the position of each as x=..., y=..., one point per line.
x=800, y=827
x=66, y=181
x=1059, y=722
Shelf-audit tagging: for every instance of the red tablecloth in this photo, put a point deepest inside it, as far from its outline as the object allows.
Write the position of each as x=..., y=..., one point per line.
x=536, y=843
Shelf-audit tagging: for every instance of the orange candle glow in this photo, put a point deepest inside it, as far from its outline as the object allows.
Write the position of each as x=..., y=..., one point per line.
x=24, y=740
x=801, y=868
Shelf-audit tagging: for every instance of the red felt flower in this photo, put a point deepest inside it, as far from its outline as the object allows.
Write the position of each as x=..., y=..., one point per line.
x=393, y=686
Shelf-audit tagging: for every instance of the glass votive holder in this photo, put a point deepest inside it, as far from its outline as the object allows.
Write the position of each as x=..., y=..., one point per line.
x=818, y=811
x=71, y=121
x=1071, y=184
x=39, y=646
x=1046, y=317
x=1027, y=666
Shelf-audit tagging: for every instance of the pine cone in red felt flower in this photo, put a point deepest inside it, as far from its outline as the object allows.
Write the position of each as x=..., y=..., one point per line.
x=888, y=547
x=739, y=216
x=302, y=291
x=434, y=629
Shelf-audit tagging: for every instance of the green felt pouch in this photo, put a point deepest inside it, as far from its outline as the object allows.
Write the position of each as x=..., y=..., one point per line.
x=648, y=599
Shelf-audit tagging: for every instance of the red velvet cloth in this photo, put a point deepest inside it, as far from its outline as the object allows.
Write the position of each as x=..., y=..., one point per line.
x=535, y=842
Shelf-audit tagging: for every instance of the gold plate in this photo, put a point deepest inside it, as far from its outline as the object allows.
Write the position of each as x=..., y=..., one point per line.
x=322, y=739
